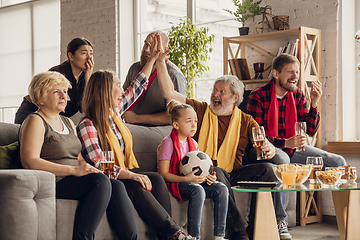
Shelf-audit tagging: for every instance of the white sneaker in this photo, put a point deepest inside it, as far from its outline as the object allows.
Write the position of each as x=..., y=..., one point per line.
x=283, y=230
x=219, y=238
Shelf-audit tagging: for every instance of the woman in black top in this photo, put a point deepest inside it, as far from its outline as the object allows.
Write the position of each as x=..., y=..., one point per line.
x=77, y=69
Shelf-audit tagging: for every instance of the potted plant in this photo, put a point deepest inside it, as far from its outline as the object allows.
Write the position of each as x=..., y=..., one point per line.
x=189, y=48
x=245, y=9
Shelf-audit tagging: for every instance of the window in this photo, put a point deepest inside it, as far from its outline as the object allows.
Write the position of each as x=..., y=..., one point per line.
x=25, y=48
x=4, y=3
x=209, y=13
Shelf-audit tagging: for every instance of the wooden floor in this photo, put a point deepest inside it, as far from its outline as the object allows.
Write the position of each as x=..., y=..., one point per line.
x=315, y=231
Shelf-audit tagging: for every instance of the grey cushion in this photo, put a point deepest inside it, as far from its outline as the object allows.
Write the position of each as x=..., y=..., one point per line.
x=8, y=133
x=145, y=142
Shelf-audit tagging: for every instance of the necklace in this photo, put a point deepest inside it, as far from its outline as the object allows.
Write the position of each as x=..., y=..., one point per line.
x=56, y=126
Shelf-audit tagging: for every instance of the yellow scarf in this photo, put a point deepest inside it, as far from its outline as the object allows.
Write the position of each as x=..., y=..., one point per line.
x=130, y=160
x=208, y=138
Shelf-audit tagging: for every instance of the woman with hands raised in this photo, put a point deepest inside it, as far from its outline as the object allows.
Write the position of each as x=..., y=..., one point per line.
x=102, y=130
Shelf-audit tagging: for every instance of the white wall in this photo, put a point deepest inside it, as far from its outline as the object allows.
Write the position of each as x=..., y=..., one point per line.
x=96, y=21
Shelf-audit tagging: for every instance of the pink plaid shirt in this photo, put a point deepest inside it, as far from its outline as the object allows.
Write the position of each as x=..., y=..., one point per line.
x=88, y=134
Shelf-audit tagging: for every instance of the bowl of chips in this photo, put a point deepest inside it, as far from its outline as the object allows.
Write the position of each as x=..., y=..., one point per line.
x=348, y=173
x=301, y=175
x=328, y=178
x=343, y=178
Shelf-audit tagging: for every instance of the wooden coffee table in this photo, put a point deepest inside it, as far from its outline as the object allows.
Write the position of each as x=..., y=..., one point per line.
x=346, y=200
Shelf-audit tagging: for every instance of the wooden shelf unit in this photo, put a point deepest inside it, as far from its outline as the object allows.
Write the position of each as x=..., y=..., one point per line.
x=313, y=61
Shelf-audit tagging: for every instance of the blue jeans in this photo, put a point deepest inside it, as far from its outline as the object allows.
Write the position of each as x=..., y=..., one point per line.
x=329, y=159
x=196, y=194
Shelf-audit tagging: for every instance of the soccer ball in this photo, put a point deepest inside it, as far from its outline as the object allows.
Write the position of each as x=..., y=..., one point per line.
x=196, y=160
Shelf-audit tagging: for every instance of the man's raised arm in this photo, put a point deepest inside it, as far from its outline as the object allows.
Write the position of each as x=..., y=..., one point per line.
x=166, y=85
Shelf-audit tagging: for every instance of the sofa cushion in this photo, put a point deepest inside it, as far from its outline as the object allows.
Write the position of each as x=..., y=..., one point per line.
x=10, y=156
x=9, y=133
x=145, y=142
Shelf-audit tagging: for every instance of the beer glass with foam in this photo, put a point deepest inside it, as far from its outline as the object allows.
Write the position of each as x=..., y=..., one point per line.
x=107, y=166
x=317, y=164
x=259, y=139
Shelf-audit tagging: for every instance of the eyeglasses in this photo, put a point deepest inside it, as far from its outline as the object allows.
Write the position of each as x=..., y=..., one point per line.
x=221, y=92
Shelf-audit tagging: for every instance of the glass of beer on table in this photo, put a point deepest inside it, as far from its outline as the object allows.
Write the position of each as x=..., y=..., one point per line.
x=317, y=164
x=259, y=139
x=107, y=165
x=300, y=129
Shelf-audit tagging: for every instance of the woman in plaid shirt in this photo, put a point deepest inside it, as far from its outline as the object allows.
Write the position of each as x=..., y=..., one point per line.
x=103, y=103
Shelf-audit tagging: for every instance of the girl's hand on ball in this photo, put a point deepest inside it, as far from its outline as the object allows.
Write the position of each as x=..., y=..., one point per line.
x=191, y=177
x=211, y=178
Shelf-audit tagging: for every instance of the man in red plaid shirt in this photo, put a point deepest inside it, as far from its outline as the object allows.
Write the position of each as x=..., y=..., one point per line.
x=278, y=104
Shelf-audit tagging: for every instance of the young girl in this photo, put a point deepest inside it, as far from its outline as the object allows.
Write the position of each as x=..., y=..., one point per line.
x=190, y=187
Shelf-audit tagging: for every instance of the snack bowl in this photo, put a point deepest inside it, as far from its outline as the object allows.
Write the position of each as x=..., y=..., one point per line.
x=343, y=178
x=328, y=178
x=302, y=171
x=350, y=174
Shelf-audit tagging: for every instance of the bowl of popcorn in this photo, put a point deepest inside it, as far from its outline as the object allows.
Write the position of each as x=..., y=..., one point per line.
x=328, y=178
x=292, y=174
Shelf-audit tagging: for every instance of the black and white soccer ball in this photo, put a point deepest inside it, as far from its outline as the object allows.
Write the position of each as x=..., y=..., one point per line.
x=196, y=160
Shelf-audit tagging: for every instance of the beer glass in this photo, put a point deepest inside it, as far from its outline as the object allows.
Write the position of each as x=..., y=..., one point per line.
x=259, y=139
x=300, y=129
x=317, y=164
x=107, y=166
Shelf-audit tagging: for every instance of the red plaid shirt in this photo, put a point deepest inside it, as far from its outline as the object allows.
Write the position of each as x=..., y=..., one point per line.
x=258, y=107
x=88, y=134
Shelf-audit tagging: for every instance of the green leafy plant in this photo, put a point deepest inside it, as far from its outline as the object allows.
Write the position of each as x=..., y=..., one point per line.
x=189, y=48
x=246, y=9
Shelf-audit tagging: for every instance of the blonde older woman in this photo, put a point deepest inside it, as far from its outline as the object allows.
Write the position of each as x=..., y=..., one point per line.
x=48, y=142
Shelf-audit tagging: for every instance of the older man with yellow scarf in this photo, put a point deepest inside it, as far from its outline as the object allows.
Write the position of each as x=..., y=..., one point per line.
x=225, y=133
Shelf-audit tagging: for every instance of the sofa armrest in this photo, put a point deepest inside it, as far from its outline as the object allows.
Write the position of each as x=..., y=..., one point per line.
x=27, y=202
